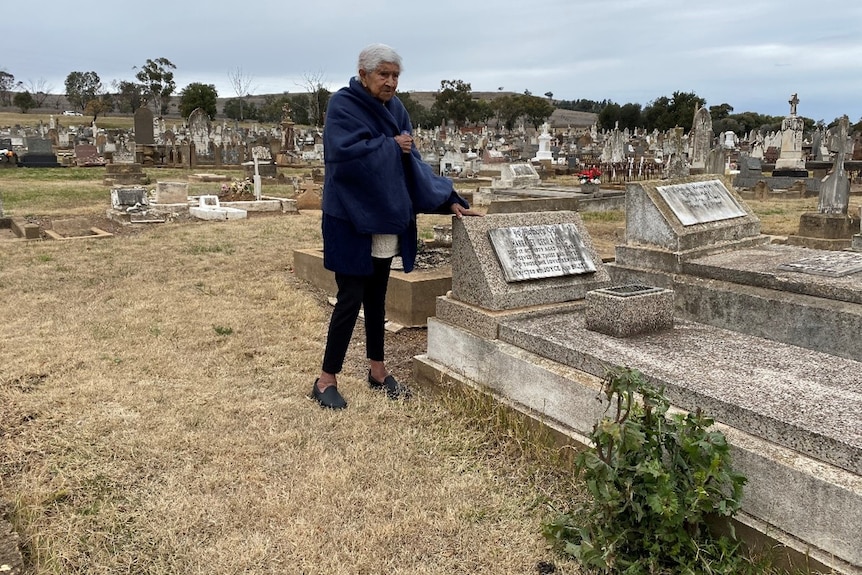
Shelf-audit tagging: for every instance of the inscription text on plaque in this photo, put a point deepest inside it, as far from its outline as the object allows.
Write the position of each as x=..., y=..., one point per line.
x=535, y=252
x=701, y=202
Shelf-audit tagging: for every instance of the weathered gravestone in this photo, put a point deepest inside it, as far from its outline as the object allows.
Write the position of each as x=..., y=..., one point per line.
x=518, y=260
x=40, y=154
x=668, y=223
x=199, y=130
x=518, y=176
x=87, y=155
x=834, y=195
x=144, y=127
x=791, y=161
x=830, y=264
x=701, y=139
x=831, y=227
x=127, y=199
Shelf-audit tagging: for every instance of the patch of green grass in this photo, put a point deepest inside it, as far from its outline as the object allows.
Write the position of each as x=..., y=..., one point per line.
x=199, y=249
x=223, y=330
x=54, y=174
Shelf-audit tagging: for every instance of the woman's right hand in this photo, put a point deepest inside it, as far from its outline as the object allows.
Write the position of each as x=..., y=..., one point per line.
x=405, y=142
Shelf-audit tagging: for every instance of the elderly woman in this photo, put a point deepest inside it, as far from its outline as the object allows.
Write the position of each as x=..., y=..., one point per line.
x=375, y=184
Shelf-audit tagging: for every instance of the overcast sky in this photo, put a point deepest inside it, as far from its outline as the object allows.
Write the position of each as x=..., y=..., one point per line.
x=751, y=54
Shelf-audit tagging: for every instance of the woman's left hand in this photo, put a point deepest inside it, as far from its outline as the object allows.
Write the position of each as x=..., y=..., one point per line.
x=460, y=211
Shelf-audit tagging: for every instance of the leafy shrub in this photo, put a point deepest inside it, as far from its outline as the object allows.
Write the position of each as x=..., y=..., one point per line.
x=655, y=479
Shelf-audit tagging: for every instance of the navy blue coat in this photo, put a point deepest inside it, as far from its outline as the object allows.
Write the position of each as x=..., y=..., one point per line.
x=371, y=186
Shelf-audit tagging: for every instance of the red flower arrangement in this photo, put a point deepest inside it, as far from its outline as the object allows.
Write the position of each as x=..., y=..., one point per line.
x=590, y=176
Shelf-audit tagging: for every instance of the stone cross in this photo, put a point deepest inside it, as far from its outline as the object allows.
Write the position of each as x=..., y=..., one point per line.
x=793, y=101
x=256, y=179
x=834, y=197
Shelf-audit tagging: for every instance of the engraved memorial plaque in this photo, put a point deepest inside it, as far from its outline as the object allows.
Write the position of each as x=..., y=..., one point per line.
x=836, y=264
x=701, y=202
x=544, y=251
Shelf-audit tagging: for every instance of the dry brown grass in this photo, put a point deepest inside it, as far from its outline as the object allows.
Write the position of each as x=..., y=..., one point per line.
x=154, y=419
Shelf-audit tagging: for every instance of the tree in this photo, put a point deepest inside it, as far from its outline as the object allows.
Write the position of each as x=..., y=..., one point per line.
x=720, y=112
x=507, y=110
x=98, y=106
x=81, y=87
x=419, y=114
x=24, y=101
x=128, y=95
x=537, y=110
x=318, y=97
x=454, y=101
x=482, y=112
x=609, y=116
x=299, y=109
x=236, y=110
x=665, y=113
x=583, y=105
x=39, y=89
x=158, y=80
x=241, y=83
x=630, y=116
x=7, y=82
x=272, y=108
x=197, y=95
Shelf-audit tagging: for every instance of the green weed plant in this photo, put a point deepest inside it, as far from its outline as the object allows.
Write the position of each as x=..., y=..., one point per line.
x=656, y=479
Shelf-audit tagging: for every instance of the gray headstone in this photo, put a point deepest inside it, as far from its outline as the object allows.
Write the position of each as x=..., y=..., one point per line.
x=39, y=146
x=144, y=126
x=479, y=278
x=199, y=131
x=701, y=135
x=663, y=228
x=834, y=197
x=128, y=197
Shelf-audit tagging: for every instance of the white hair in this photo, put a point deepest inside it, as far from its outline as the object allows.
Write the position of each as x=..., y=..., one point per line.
x=374, y=55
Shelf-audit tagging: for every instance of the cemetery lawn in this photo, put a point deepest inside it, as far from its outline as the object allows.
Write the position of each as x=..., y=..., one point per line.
x=154, y=414
x=154, y=418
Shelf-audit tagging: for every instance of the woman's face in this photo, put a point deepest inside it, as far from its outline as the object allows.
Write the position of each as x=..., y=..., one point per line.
x=382, y=82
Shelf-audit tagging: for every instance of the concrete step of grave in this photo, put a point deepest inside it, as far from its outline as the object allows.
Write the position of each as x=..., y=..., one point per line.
x=759, y=291
x=805, y=400
x=793, y=416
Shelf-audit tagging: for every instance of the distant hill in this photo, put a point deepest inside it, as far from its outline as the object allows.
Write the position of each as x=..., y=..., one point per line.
x=560, y=119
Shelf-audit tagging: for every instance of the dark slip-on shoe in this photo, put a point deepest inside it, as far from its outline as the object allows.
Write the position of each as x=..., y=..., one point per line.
x=329, y=397
x=394, y=389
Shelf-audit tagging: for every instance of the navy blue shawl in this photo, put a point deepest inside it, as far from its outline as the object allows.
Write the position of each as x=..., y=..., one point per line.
x=370, y=185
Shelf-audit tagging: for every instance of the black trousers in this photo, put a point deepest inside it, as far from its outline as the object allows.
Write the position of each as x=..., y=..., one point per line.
x=355, y=292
